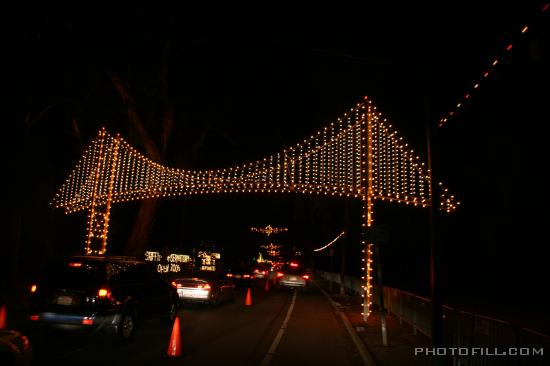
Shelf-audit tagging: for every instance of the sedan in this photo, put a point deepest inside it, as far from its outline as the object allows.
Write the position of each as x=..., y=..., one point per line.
x=206, y=287
x=293, y=276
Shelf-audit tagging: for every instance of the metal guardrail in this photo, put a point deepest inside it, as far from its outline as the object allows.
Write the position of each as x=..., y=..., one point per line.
x=462, y=330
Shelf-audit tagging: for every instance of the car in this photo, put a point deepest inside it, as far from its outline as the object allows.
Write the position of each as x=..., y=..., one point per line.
x=293, y=275
x=204, y=287
x=261, y=271
x=15, y=349
x=111, y=294
x=241, y=277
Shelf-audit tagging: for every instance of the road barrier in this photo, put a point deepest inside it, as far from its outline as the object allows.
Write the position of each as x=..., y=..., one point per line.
x=462, y=330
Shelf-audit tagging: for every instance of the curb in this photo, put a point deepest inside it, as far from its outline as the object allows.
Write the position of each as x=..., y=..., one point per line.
x=366, y=356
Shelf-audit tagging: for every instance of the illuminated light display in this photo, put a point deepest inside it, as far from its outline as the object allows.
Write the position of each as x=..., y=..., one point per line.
x=329, y=244
x=153, y=256
x=273, y=250
x=268, y=230
x=543, y=9
x=172, y=259
x=208, y=260
x=359, y=156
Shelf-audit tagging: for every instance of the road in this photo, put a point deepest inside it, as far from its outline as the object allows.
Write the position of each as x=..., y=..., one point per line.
x=281, y=327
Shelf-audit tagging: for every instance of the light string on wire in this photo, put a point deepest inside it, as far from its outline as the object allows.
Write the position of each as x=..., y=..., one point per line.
x=329, y=244
x=484, y=76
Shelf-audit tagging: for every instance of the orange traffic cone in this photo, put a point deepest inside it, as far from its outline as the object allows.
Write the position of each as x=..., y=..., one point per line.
x=266, y=285
x=174, y=347
x=248, y=300
x=3, y=324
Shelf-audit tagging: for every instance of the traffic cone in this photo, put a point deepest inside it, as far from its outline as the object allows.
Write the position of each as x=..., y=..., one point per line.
x=266, y=288
x=248, y=300
x=3, y=324
x=174, y=347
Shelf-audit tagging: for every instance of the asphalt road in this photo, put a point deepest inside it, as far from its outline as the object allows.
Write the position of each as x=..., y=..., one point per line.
x=281, y=327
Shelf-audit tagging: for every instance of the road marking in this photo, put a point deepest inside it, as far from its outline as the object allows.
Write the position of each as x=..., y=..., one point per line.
x=368, y=360
x=280, y=333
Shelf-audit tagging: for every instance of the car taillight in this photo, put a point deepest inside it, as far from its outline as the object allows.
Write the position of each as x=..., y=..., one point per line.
x=306, y=277
x=206, y=287
x=75, y=264
x=33, y=288
x=34, y=317
x=103, y=292
x=280, y=274
x=246, y=276
x=87, y=321
x=229, y=275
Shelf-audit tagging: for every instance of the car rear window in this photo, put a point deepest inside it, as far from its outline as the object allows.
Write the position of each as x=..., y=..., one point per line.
x=76, y=273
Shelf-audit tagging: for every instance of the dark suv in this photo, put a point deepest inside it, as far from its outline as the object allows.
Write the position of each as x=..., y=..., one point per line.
x=102, y=293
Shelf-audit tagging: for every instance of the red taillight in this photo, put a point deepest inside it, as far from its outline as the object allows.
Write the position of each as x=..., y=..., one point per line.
x=103, y=292
x=280, y=274
x=205, y=287
x=87, y=321
x=293, y=264
x=75, y=264
x=34, y=317
x=33, y=288
x=306, y=277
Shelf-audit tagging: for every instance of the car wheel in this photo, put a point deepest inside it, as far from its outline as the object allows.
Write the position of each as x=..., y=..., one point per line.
x=127, y=327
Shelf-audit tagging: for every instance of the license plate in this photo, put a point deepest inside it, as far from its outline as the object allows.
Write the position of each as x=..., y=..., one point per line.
x=186, y=293
x=293, y=278
x=64, y=300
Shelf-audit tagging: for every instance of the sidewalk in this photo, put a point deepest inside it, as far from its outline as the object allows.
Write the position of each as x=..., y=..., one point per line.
x=401, y=340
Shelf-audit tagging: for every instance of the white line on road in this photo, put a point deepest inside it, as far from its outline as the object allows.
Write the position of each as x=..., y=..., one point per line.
x=279, y=335
x=367, y=358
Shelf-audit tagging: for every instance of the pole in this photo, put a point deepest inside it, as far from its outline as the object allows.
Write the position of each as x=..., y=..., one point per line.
x=437, y=310
x=331, y=254
x=380, y=286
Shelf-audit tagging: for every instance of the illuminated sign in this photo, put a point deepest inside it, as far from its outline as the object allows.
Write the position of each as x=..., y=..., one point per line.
x=172, y=260
x=208, y=260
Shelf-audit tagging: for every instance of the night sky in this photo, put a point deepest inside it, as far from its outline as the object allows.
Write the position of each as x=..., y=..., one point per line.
x=245, y=83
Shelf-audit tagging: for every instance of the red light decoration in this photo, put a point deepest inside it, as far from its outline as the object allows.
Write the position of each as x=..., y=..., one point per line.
x=444, y=119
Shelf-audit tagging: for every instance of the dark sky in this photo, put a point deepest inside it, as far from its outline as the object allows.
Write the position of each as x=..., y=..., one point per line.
x=254, y=81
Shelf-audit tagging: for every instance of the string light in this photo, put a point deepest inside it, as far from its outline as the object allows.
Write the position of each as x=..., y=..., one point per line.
x=360, y=156
x=329, y=244
x=451, y=113
x=367, y=279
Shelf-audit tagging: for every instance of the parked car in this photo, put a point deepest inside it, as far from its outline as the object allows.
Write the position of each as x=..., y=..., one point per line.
x=15, y=349
x=293, y=275
x=102, y=293
x=204, y=287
